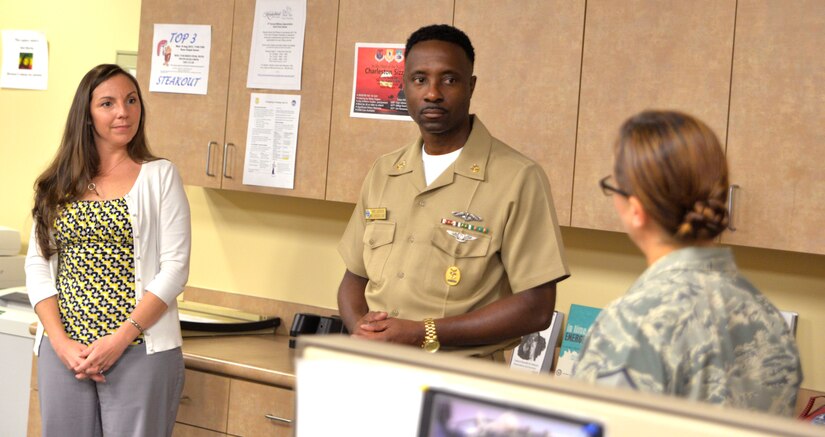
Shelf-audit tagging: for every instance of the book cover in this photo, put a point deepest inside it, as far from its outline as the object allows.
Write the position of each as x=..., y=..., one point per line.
x=536, y=351
x=579, y=320
x=790, y=319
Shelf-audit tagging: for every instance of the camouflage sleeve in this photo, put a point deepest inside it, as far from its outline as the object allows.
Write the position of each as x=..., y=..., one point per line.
x=617, y=352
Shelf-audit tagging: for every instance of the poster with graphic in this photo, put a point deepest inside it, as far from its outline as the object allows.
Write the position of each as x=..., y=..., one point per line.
x=378, y=82
x=180, y=58
x=25, y=60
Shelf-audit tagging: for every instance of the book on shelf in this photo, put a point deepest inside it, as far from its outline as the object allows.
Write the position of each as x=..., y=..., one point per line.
x=579, y=320
x=536, y=351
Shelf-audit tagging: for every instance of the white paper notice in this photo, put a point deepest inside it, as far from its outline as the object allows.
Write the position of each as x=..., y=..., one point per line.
x=277, y=51
x=271, y=140
x=25, y=60
x=180, y=58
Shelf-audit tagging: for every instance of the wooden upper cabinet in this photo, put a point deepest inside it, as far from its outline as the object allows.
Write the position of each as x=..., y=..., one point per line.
x=180, y=127
x=528, y=64
x=644, y=54
x=776, y=145
x=316, y=98
x=355, y=143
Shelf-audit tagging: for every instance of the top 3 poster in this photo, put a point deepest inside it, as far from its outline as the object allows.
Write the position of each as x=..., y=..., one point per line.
x=378, y=82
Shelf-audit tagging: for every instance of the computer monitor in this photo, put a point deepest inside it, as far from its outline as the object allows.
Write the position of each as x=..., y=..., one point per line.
x=449, y=414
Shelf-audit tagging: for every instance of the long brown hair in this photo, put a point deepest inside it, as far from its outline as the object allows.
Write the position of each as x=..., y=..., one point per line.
x=77, y=161
x=673, y=163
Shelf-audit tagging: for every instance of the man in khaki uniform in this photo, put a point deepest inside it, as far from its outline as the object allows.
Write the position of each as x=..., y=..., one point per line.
x=454, y=243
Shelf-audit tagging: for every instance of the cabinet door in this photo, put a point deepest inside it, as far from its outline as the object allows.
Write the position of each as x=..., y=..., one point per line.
x=776, y=145
x=527, y=91
x=260, y=410
x=316, y=98
x=640, y=55
x=181, y=127
x=34, y=427
x=355, y=143
x=204, y=402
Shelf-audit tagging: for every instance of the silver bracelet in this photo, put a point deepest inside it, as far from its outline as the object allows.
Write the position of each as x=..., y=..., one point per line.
x=135, y=324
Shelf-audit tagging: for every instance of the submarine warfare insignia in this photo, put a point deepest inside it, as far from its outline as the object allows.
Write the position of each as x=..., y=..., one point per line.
x=467, y=216
x=461, y=236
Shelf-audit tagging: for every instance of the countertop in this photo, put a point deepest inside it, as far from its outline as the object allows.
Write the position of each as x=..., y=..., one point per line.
x=263, y=358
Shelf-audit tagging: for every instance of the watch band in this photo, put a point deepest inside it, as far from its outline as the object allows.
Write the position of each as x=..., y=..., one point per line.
x=430, y=334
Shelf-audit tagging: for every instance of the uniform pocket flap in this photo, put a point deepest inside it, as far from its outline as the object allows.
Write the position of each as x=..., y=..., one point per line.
x=378, y=234
x=461, y=244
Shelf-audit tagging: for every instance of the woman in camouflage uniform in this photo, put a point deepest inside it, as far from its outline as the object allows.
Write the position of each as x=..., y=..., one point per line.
x=691, y=325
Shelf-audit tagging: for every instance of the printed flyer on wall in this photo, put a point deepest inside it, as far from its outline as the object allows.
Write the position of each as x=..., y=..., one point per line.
x=25, y=60
x=277, y=52
x=378, y=82
x=272, y=140
x=180, y=58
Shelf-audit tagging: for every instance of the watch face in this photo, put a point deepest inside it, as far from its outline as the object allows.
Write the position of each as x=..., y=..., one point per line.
x=432, y=346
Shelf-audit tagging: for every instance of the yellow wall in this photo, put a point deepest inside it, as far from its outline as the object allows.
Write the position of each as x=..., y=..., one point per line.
x=284, y=248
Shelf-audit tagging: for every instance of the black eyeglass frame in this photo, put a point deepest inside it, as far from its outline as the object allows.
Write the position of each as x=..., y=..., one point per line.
x=609, y=189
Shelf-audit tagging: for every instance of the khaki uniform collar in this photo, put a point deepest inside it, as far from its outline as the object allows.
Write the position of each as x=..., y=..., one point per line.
x=471, y=163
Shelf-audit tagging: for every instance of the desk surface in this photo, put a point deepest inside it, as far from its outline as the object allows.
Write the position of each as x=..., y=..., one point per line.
x=261, y=358
x=258, y=358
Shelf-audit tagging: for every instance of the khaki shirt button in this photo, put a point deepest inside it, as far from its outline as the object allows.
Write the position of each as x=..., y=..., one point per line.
x=458, y=251
x=371, y=241
x=400, y=275
x=421, y=203
x=394, y=313
x=411, y=239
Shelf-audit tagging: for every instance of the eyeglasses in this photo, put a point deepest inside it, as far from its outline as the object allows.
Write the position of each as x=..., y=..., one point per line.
x=609, y=189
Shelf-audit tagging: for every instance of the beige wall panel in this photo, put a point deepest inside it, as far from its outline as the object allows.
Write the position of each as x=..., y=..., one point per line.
x=316, y=98
x=181, y=125
x=645, y=54
x=776, y=146
x=528, y=72
x=356, y=142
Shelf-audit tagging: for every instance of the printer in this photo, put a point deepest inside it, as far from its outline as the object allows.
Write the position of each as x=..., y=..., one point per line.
x=12, y=271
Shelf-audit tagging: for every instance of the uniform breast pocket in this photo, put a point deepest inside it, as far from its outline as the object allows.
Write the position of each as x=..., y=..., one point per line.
x=465, y=251
x=378, y=238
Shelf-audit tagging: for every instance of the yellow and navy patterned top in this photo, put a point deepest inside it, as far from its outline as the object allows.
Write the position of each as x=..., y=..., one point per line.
x=96, y=268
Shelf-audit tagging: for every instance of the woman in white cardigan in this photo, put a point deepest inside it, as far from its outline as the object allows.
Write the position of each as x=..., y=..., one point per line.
x=108, y=255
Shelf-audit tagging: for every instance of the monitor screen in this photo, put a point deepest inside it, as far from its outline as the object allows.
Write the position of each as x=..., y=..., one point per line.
x=449, y=414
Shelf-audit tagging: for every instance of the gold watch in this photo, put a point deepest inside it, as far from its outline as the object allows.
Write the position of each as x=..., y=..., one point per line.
x=430, y=343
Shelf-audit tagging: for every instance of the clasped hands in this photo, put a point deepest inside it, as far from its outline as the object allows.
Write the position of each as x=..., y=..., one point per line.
x=377, y=325
x=92, y=361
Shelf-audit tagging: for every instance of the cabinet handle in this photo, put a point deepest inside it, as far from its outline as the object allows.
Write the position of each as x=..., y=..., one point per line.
x=209, y=158
x=732, y=189
x=277, y=419
x=185, y=398
x=226, y=147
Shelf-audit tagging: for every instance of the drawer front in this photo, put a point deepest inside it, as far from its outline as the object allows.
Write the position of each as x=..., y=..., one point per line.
x=204, y=402
x=183, y=430
x=254, y=410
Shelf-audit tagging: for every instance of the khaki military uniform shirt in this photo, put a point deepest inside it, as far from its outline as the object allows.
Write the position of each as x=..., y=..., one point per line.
x=420, y=267
x=691, y=326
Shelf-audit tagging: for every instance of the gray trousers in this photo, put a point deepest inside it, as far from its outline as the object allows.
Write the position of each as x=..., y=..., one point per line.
x=139, y=398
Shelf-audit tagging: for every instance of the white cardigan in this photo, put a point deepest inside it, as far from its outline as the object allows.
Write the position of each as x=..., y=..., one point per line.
x=159, y=214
